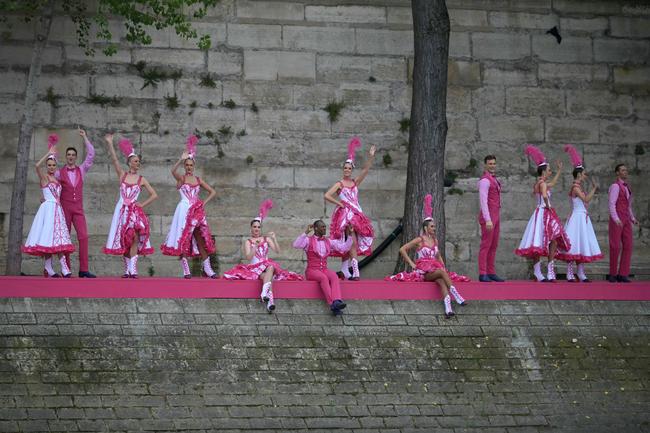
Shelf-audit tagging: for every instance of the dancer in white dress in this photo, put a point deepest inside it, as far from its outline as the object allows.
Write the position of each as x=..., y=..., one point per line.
x=349, y=212
x=129, y=233
x=49, y=233
x=189, y=233
x=584, y=245
x=260, y=266
x=544, y=234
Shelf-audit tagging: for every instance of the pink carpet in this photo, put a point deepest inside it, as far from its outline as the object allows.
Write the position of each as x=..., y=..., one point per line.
x=38, y=287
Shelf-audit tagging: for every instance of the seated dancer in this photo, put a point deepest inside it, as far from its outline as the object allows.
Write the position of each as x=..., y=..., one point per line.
x=129, y=233
x=49, y=233
x=429, y=265
x=348, y=212
x=189, y=234
x=318, y=247
x=260, y=267
x=584, y=245
x=544, y=234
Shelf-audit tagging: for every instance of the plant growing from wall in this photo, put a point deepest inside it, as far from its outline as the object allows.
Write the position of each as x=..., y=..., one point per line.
x=254, y=108
x=103, y=100
x=229, y=104
x=249, y=159
x=137, y=17
x=334, y=109
x=171, y=102
x=404, y=125
x=208, y=81
x=387, y=160
x=51, y=97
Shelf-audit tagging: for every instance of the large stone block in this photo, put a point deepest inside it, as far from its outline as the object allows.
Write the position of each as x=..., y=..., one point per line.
x=466, y=74
x=336, y=68
x=216, y=31
x=461, y=128
x=12, y=55
x=275, y=177
x=523, y=20
x=624, y=131
x=642, y=107
x=467, y=18
x=489, y=100
x=88, y=115
x=374, y=95
x=571, y=50
x=281, y=11
x=569, y=130
x=189, y=91
x=261, y=93
x=388, y=68
x=213, y=119
x=621, y=51
x=13, y=82
x=459, y=99
x=399, y=15
x=64, y=85
x=510, y=76
x=357, y=122
x=510, y=128
x=278, y=65
x=321, y=39
x=279, y=121
x=183, y=59
x=591, y=8
x=130, y=86
x=596, y=102
x=572, y=74
x=225, y=63
x=529, y=100
x=254, y=35
x=75, y=54
x=315, y=96
x=459, y=45
x=586, y=25
x=346, y=14
x=390, y=42
x=500, y=46
x=637, y=78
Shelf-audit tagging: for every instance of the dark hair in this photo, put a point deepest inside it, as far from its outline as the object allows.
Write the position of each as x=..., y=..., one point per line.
x=256, y=221
x=541, y=169
x=489, y=158
x=618, y=167
x=425, y=223
x=319, y=221
x=69, y=149
x=128, y=160
x=577, y=171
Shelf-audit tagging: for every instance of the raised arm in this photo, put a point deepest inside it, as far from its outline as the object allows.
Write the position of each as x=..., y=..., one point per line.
x=211, y=192
x=302, y=241
x=366, y=167
x=273, y=242
x=558, y=171
x=42, y=177
x=586, y=198
x=329, y=195
x=177, y=176
x=404, y=251
x=90, y=153
x=152, y=193
x=113, y=155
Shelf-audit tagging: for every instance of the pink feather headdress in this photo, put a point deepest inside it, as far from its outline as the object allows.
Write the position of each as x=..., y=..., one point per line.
x=353, y=145
x=427, y=211
x=265, y=207
x=190, y=146
x=52, y=140
x=536, y=155
x=126, y=147
x=576, y=160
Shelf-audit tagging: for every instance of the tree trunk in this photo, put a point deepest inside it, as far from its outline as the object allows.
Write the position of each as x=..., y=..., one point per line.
x=15, y=237
x=426, y=161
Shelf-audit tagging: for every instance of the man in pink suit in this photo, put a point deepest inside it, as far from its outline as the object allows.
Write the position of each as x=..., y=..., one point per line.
x=621, y=219
x=489, y=192
x=318, y=248
x=72, y=181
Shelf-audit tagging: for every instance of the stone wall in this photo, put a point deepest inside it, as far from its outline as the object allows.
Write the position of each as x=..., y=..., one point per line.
x=510, y=83
x=225, y=365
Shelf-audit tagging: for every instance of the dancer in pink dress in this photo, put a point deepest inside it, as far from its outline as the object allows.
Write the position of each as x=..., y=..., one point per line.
x=584, y=245
x=49, y=233
x=189, y=233
x=129, y=233
x=544, y=234
x=260, y=267
x=429, y=265
x=318, y=247
x=349, y=212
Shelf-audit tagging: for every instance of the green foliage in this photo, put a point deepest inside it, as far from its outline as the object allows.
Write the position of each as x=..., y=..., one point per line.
x=450, y=178
x=473, y=163
x=155, y=116
x=372, y=79
x=404, y=125
x=153, y=76
x=210, y=105
x=172, y=102
x=639, y=150
x=387, y=160
x=254, y=108
x=225, y=130
x=151, y=270
x=455, y=191
x=249, y=159
x=209, y=134
x=137, y=17
x=241, y=133
x=52, y=98
x=208, y=81
x=103, y=100
x=334, y=109
x=229, y=104
x=193, y=104
x=176, y=75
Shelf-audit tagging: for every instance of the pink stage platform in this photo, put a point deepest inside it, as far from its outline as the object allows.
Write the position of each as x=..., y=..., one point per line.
x=38, y=287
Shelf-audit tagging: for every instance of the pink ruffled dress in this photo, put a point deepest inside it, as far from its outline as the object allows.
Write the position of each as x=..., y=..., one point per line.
x=584, y=244
x=352, y=214
x=426, y=262
x=128, y=218
x=49, y=232
x=543, y=227
x=188, y=217
x=258, y=264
